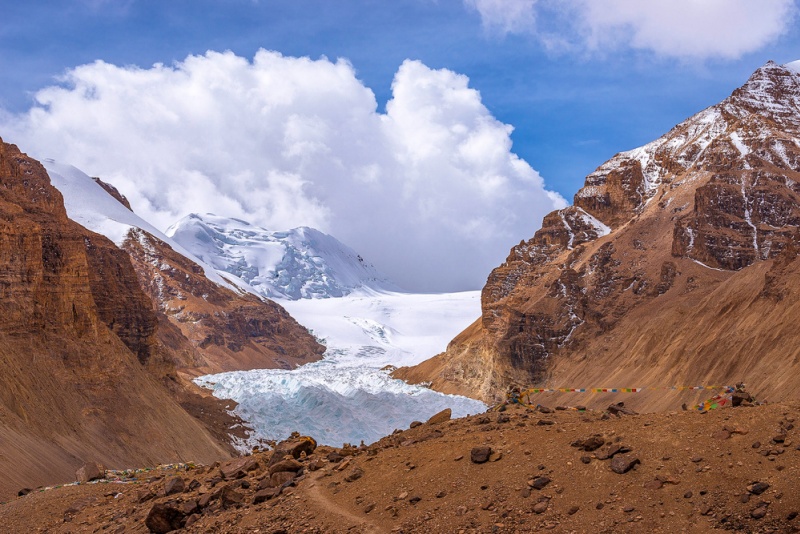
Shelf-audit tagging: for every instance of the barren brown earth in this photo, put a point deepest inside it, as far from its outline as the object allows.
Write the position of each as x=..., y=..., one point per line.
x=732, y=469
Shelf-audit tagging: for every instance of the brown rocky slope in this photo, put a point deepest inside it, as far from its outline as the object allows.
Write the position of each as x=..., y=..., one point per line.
x=87, y=361
x=677, y=265
x=521, y=470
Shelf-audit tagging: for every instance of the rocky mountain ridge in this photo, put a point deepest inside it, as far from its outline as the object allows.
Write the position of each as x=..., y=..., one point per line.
x=90, y=365
x=665, y=270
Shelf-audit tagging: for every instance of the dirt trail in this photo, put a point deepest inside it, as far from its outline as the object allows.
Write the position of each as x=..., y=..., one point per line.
x=317, y=495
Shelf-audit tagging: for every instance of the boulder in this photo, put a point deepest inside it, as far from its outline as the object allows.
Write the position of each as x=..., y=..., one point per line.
x=757, y=488
x=294, y=446
x=740, y=398
x=229, y=497
x=238, y=468
x=619, y=409
x=539, y=483
x=623, y=464
x=354, y=475
x=480, y=455
x=174, y=485
x=440, y=417
x=90, y=471
x=286, y=465
x=265, y=495
x=280, y=478
x=165, y=517
x=589, y=444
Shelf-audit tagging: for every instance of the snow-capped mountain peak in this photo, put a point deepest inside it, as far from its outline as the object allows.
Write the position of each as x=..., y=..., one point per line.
x=292, y=264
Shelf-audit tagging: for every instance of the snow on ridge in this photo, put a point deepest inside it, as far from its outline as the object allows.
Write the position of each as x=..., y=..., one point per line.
x=793, y=66
x=91, y=206
x=292, y=264
x=594, y=222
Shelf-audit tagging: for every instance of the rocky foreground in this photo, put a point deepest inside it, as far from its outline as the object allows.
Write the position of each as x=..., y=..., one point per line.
x=519, y=470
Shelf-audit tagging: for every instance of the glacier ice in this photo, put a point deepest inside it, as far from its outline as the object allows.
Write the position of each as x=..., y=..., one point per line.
x=347, y=397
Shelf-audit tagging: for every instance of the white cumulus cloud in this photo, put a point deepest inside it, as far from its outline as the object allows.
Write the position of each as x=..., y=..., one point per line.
x=430, y=190
x=690, y=29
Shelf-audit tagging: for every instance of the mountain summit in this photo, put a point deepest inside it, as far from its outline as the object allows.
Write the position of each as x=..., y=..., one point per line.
x=296, y=264
x=676, y=265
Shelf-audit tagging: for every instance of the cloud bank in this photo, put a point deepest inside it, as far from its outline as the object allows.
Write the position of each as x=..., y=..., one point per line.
x=689, y=29
x=429, y=190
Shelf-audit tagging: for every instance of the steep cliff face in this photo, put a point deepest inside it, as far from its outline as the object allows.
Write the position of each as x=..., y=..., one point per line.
x=663, y=272
x=75, y=333
x=226, y=331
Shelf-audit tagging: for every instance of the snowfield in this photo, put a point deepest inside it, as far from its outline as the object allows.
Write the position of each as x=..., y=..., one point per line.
x=347, y=397
x=301, y=263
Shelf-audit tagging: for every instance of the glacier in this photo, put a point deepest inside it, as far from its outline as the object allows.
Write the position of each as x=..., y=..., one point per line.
x=348, y=396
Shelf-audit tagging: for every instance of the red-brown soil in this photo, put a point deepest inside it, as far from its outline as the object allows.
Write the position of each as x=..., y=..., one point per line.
x=693, y=476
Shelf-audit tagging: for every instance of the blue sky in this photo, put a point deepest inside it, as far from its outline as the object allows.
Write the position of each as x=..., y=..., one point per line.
x=577, y=82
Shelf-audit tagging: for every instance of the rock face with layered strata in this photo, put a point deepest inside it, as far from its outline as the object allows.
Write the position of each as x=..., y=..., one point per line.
x=80, y=362
x=226, y=330
x=675, y=265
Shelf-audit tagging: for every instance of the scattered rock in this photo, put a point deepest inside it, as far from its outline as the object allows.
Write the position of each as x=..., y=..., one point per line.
x=280, y=478
x=757, y=488
x=740, y=398
x=503, y=418
x=294, y=446
x=370, y=507
x=688, y=495
x=23, y=492
x=264, y=495
x=174, y=485
x=230, y=497
x=589, y=444
x=544, y=422
x=440, y=417
x=611, y=451
x=415, y=424
x=573, y=510
x=90, y=471
x=238, y=468
x=586, y=459
x=544, y=409
x=286, y=465
x=415, y=499
x=541, y=506
x=654, y=484
x=480, y=455
x=165, y=517
x=495, y=456
x=539, y=483
x=619, y=409
x=759, y=512
x=623, y=464
x=354, y=475
x=721, y=434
